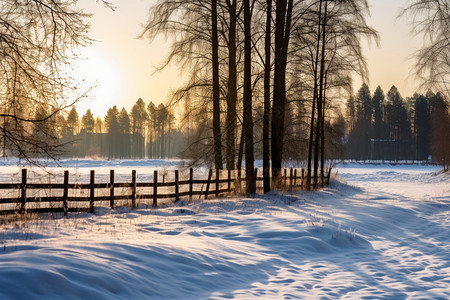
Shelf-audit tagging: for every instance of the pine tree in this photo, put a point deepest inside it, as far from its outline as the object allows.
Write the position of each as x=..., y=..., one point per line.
x=400, y=126
x=364, y=122
x=422, y=127
x=378, y=104
x=72, y=122
x=124, y=137
x=139, y=117
x=113, y=131
x=88, y=122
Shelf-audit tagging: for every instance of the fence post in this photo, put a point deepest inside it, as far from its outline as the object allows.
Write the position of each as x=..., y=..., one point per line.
x=217, y=182
x=229, y=181
x=23, y=188
x=291, y=179
x=92, y=192
x=177, y=187
x=66, y=192
x=111, y=188
x=191, y=179
x=155, y=188
x=207, y=184
x=295, y=177
x=285, y=177
x=133, y=188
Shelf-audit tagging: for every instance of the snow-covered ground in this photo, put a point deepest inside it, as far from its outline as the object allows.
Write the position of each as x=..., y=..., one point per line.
x=79, y=169
x=377, y=232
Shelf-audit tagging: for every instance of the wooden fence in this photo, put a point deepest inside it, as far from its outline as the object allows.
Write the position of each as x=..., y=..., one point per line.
x=75, y=197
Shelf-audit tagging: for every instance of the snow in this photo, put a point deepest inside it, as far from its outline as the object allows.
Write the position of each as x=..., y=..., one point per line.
x=377, y=232
x=79, y=169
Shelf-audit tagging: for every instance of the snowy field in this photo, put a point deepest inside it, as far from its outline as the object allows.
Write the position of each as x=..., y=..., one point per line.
x=79, y=169
x=377, y=232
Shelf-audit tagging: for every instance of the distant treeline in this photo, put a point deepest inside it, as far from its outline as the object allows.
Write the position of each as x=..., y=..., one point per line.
x=388, y=127
x=146, y=131
x=376, y=126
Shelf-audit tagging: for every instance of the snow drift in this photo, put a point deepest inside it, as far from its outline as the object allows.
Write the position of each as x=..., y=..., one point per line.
x=377, y=231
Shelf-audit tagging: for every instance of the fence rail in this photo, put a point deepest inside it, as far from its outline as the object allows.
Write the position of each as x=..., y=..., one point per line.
x=81, y=197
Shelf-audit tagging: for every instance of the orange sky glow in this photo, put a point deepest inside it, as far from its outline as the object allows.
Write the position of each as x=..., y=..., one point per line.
x=121, y=68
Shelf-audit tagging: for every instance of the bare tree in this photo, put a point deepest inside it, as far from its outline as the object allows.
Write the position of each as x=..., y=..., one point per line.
x=283, y=19
x=232, y=94
x=319, y=39
x=320, y=99
x=216, y=87
x=431, y=18
x=248, y=120
x=36, y=40
x=315, y=95
x=189, y=26
x=342, y=32
x=329, y=41
x=266, y=116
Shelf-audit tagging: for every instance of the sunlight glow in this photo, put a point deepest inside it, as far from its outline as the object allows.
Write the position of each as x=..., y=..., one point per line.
x=100, y=71
x=122, y=67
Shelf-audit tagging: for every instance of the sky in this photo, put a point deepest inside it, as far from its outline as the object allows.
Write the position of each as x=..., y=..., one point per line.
x=121, y=68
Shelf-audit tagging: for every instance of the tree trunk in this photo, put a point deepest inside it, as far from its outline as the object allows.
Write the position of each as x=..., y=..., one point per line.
x=313, y=110
x=319, y=132
x=248, y=119
x=240, y=151
x=232, y=89
x=150, y=146
x=282, y=32
x=239, y=159
x=266, y=117
x=216, y=88
x=168, y=155
x=163, y=141
x=322, y=144
x=278, y=100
